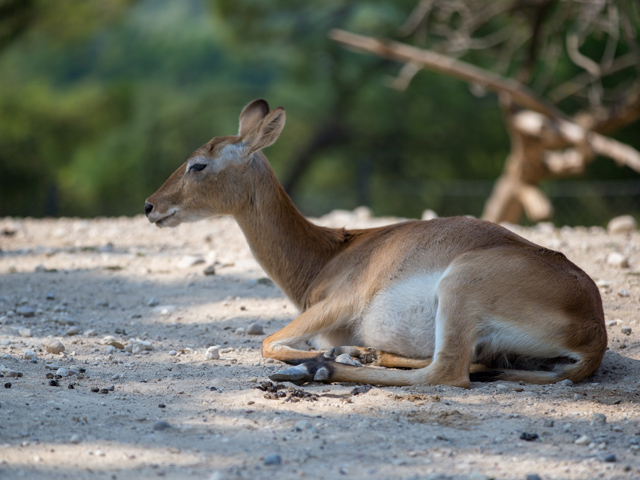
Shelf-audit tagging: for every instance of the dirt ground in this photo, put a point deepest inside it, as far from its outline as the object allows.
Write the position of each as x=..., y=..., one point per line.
x=159, y=408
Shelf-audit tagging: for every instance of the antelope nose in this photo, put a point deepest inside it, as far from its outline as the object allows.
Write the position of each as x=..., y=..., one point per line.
x=148, y=208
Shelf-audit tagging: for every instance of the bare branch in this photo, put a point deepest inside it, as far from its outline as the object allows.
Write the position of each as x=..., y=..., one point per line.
x=447, y=65
x=578, y=58
x=416, y=17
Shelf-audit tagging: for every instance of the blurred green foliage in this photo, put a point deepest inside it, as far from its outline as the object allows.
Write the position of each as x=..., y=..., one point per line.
x=101, y=101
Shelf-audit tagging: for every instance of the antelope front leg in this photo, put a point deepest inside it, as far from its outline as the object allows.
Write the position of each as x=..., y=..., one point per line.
x=284, y=345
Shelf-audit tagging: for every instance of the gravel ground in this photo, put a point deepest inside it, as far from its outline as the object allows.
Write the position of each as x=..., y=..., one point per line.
x=138, y=393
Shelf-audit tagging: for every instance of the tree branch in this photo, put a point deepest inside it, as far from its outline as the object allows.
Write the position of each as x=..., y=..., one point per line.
x=447, y=65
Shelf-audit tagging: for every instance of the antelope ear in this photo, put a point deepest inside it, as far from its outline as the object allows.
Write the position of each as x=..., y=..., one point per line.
x=267, y=132
x=252, y=114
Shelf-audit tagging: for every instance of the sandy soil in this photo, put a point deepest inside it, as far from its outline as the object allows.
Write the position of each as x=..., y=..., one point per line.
x=99, y=411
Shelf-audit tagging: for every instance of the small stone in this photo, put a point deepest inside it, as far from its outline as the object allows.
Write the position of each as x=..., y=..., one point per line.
x=565, y=383
x=210, y=270
x=303, y=425
x=621, y=225
x=7, y=385
x=63, y=372
x=50, y=296
x=273, y=459
x=188, y=261
x=623, y=293
x=25, y=332
x=529, y=437
x=30, y=355
x=548, y=423
x=25, y=311
x=583, y=440
x=603, y=283
x=153, y=302
x=501, y=388
x=212, y=353
x=53, y=345
x=173, y=353
x=109, y=340
x=609, y=458
x=73, y=330
x=161, y=425
x=576, y=396
x=255, y=329
x=75, y=439
x=616, y=259
x=626, y=330
x=239, y=331
x=429, y=215
x=533, y=476
x=598, y=419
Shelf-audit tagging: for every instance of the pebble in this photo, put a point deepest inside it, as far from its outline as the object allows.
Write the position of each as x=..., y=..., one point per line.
x=136, y=346
x=24, y=332
x=255, y=329
x=75, y=439
x=74, y=330
x=7, y=372
x=621, y=225
x=188, y=261
x=623, y=293
x=50, y=296
x=53, y=345
x=565, y=383
x=63, y=372
x=25, y=311
x=598, y=419
x=173, y=353
x=533, y=476
x=616, y=259
x=273, y=459
x=212, y=353
x=109, y=340
x=501, y=388
x=210, y=270
x=583, y=440
x=303, y=425
x=239, y=331
x=429, y=215
x=609, y=458
x=626, y=330
x=161, y=425
x=153, y=302
x=30, y=355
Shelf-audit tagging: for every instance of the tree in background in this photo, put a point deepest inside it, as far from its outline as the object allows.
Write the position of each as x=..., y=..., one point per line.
x=92, y=121
x=582, y=56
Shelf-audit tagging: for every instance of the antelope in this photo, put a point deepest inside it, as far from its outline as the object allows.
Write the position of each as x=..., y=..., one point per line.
x=439, y=302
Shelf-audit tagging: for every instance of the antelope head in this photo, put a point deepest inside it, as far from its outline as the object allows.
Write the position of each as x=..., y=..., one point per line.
x=218, y=177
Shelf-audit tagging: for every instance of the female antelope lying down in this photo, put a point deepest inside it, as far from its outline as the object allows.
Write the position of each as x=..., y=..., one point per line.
x=448, y=300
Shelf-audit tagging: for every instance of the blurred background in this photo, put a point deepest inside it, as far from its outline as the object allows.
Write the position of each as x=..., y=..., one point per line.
x=101, y=100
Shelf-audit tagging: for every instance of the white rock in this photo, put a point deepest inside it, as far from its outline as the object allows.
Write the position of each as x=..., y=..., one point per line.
x=153, y=301
x=212, y=353
x=75, y=439
x=188, y=261
x=429, y=215
x=53, y=345
x=109, y=340
x=63, y=372
x=30, y=355
x=173, y=353
x=255, y=329
x=74, y=330
x=583, y=440
x=626, y=330
x=25, y=332
x=239, y=331
x=616, y=259
x=621, y=225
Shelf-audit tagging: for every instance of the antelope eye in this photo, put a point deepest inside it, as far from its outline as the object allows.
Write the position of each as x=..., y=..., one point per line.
x=197, y=167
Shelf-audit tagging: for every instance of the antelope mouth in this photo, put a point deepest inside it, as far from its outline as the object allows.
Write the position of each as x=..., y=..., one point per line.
x=167, y=220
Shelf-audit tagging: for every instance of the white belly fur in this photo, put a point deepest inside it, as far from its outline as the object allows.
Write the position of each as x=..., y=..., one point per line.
x=401, y=318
